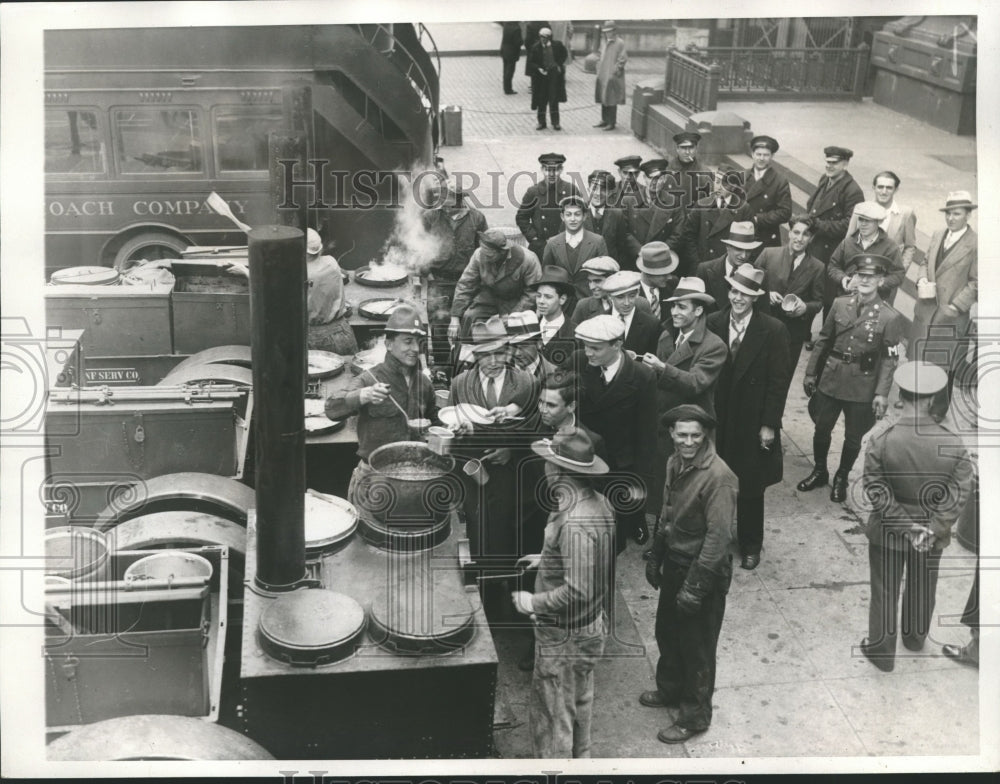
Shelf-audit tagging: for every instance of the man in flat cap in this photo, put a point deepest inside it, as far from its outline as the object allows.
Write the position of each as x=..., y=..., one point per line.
x=750, y=401
x=715, y=213
x=768, y=199
x=691, y=566
x=628, y=193
x=642, y=329
x=547, y=69
x=609, y=91
x=598, y=303
x=851, y=372
x=604, y=219
x=918, y=477
x=947, y=289
x=574, y=245
x=618, y=401
x=657, y=265
x=900, y=222
x=869, y=238
x=540, y=216
x=496, y=281
x=739, y=243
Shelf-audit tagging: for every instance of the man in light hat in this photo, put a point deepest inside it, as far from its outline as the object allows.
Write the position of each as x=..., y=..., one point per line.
x=598, y=304
x=716, y=212
x=573, y=246
x=767, y=197
x=832, y=203
x=918, y=477
x=496, y=281
x=750, y=401
x=556, y=330
x=691, y=566
x=851, y=372
x=794, y=281
x=604, y=219
x=618, y=401
x=656, y=264
x=570, y=593
x=947, y=289
x=900, y=223
x=547, y=68
x=664, y=220
x=628, y=193
x=368, y=394
x=540, y=216
x=642, y=330
x=687, y=364
x=609, y=90
x=739, y=243
x=870, y=238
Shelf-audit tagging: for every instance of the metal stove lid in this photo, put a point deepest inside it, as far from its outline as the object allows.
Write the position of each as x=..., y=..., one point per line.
x=309, y=627
x=329, y=521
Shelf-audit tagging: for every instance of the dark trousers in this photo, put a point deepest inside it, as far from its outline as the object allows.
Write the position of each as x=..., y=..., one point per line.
x=609, y=114
x=794, y=352
x=858, y=420
x=685, y=671
x=439, y=296
x=508, y=74
x=553, y=105
x=750, y=523
x=886, y=566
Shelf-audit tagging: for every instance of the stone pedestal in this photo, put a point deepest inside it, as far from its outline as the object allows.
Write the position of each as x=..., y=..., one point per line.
x=722, y=133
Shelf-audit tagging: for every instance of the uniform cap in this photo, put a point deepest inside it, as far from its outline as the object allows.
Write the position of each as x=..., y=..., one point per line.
x=920, y=378
x=405, y=318
x=748, y=279
x=314, y=243
x=600, y=265
x=870, y=263
x=656, y=258
x=764, y=141
x=620, y=282
x=686, y=137
x=600, y=329
x=522, y=325
x=871, y=210
x=629, y=162
x=653, y=165
x=688, y=412
x=840, y=153
x=742, y=235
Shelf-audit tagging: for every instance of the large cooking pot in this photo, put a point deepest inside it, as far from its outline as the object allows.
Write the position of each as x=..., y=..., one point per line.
x=408, y=485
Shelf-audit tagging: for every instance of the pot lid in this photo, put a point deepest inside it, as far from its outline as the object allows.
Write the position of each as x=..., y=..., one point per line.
x=86, y=276
x=310, y=627
x=329, y=521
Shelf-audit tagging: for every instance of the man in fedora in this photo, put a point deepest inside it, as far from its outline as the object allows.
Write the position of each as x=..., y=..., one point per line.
x=870, y=238
x=552, y=293
x=687, y=364
x=794, y=281
x=397, y=377
x=540, y=216
x=573, y=246
x=832, y=203
x=691, y=566
x=918, y=476
x=618, y=401
x=767, y=197
x=496, y=281
x=947, y=289
x=750, y=401
x=546, y=65
x=715, y=213
x=739, y=243
x=642, y=330
x=628, y=193
x=851, y=372
x=609, y=91
x=656, y=264
x=602, y=218
x=598, y=303
x=567, y=605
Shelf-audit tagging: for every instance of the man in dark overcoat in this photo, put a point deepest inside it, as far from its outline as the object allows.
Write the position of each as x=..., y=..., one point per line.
x=749, y=402
x=547, y=69
x=510, y=53
x=715, y=213
x=739, y=244
x=832, y=203
x=539, y=215
x=767, y=197
x=604, y=219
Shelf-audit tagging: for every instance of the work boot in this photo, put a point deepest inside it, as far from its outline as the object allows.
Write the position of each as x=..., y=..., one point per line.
x=838, y=492
x=818, y=478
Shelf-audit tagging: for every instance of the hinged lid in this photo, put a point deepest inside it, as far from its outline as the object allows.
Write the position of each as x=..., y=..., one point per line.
x=311, y=627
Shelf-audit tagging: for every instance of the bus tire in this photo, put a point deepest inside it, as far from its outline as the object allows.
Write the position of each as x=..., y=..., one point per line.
x=149, y=245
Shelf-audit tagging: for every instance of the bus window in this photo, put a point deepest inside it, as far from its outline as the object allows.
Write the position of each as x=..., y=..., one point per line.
x=151, y=141
x=73, y=143
x=240, y=134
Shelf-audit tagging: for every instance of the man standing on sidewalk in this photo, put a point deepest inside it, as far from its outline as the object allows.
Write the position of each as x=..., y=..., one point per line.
x=547, y=69
x=609, y=91
x=691, y=566
x=510, y=52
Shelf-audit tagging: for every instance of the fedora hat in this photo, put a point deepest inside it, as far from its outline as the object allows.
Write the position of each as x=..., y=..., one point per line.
x=488, y=335
x=557, y=277
x=522, y=325
x=608, y=26
x=656, y=258
x=571, y=451
x=691, y=288
x=742, y=235
x=748, y=279
x=958, y=199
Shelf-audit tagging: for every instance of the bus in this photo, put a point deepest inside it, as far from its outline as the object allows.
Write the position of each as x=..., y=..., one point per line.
x=141, y=125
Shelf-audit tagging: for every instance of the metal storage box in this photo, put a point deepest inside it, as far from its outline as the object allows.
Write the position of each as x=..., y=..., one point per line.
x=114, y=650
x=117, y=320
x=211, y=306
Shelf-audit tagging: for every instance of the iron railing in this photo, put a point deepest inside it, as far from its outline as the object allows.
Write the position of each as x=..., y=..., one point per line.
x=691, y=82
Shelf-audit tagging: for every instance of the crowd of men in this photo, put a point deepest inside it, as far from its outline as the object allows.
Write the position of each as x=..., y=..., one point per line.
x=627, y=370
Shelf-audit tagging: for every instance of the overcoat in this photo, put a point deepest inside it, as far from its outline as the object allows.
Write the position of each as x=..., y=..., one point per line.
x=613, y=227
x=768, y=203
x=609, y=89
x=710, y=225
x=555, y=253
x=806, y=282
x=832, y=207
x=545, y=87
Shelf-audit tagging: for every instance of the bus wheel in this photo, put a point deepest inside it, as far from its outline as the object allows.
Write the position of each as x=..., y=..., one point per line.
x=148, y=246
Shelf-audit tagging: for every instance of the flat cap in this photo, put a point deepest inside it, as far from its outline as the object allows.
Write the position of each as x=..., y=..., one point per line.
x=871, y=210
x=552, y=159
x=686, y=137
x=494, y=239
x=870, y=263
x=600, y=265
x=920, y=378
x=653, y=165
x=764, y=141
x=600, y=329
x=620, y=282
x=688, y=412
x=629, y=162
x=840, y=153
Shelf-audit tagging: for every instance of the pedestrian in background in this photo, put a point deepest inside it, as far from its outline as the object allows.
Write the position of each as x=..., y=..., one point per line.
x=547, y=69
x=609, y=91
x=510, y=53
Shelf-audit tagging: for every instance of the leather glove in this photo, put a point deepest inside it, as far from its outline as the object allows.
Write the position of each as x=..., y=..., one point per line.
x=653, y=573
x=687, y=602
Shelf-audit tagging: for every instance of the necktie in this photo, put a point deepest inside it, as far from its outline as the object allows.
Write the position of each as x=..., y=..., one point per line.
x=491, y=393
x=654, y=301
x=735, y=345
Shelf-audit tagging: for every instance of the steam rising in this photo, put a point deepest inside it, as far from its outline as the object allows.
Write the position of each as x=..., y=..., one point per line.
x=410, y=246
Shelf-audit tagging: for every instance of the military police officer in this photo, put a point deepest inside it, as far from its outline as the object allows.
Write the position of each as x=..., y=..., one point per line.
x=539, y=215
x=851, y=371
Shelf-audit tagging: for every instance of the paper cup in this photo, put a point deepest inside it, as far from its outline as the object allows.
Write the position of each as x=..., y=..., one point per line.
x=443, y=397
x=439, y=439
x=790, y=302
x=927, y=289
x=475, y=470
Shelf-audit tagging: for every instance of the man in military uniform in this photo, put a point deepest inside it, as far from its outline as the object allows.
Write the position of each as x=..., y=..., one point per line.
x=918, y=478
x=629, y=192
x=768, y=199
x=539, y=217
x=851, y=371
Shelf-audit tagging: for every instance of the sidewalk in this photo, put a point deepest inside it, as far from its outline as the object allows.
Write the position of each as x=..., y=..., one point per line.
x=790, y=681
